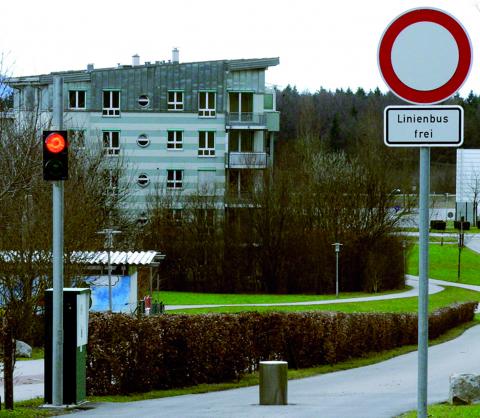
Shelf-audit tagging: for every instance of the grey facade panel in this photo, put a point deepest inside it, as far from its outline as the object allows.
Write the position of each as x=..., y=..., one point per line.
x=156, y=80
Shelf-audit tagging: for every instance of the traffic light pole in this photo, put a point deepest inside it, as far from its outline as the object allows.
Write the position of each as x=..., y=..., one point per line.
x=57, y=255
x=423, y=283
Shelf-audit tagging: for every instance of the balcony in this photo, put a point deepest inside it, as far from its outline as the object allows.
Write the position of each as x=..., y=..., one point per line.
x=245, y=120
x=258, y=160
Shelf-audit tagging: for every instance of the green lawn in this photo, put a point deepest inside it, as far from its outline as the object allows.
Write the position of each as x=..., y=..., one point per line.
x=448, y=296
x=448, y=411
x=444, y=263
x=191, y=298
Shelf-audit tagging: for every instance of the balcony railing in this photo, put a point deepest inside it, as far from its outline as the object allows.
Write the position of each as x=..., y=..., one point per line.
x=247, y=160
x=245, y=119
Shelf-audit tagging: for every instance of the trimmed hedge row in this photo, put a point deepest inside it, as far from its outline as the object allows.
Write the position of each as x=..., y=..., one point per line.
x=128, y=354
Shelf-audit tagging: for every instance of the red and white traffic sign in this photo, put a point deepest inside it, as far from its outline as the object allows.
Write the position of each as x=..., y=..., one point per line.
x=425, y=56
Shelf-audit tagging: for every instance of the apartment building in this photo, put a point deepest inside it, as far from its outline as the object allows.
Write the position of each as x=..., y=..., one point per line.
x=190, y=128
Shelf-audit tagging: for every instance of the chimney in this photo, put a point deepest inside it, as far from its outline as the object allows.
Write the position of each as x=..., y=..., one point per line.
x=90, y=67
x=135, y=60
x=175, y=56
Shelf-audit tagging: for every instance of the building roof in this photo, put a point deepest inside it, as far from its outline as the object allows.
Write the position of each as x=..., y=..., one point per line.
x=85, y=75
x=132, y=258
x=137, y=258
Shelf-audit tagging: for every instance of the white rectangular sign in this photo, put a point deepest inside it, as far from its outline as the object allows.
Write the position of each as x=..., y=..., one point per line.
x=423, y=126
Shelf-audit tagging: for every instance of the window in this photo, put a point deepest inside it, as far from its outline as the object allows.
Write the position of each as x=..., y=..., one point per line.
x=175, y=140
x=111, y=142
x=174, y=179
x=143, y=141
x=76, y=99
x=241, y=104
x=143, y=101
x=206, y=144
x=175, y=100
x=76, y=138
x=205, y=217
x=240, y=182
x=111, y=103
x=206, y=182
x=142, y=219
x=174, y=215
x=240, y=141
x=111, y=182
x=206, y=104
x=268, y=101
x=143, y=180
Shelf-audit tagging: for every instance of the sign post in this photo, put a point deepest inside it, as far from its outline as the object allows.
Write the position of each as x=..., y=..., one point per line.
x=424, y=57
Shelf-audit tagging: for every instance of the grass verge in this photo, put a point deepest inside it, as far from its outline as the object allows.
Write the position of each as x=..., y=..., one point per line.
x=37, y=354
x=444, y=264
x=31, y=409
x=448, y=411
x=448, y=296
x=192, y=298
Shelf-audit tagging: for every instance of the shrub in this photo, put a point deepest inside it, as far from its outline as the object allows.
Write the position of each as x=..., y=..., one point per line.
x=461, y=225
x=128, y=354
x=438, y=225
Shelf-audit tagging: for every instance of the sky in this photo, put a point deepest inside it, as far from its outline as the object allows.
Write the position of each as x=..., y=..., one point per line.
x=330, y=44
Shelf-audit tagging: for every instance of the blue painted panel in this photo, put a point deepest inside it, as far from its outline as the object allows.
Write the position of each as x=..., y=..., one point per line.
x=120, y=293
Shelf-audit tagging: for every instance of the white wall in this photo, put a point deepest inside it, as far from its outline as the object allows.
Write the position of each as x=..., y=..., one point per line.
x=468, y=174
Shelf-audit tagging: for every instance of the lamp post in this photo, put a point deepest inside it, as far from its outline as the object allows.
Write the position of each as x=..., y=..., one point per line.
x=337, y=252
x=109, y=232
x=446, y=207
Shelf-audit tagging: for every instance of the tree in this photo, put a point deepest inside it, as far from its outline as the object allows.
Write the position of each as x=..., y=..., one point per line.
x=26, y=225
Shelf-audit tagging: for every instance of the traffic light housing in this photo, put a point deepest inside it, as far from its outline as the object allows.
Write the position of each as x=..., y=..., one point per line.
x=55, y=155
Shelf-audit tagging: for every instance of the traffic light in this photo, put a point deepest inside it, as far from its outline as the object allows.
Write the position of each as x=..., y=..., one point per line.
x=55, y=155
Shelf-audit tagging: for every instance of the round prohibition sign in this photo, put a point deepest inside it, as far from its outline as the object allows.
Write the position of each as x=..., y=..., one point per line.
x=424, y=56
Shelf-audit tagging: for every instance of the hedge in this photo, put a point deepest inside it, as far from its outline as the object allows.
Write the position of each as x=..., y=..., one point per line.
x=128, y=354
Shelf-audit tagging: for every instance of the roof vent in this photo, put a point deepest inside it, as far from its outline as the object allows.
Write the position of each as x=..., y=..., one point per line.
x=175, y=56
x=135, y=60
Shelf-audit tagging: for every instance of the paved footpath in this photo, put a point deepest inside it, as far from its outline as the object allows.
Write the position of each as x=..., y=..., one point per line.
x=382, y=390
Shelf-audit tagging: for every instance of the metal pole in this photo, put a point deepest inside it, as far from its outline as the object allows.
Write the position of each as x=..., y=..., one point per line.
x=336, y=275
x=57, y=256
x=109, y=272
x=423, y=284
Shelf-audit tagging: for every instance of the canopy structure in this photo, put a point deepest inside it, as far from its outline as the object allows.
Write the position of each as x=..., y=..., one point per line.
x=117, y=258
x=135, y=258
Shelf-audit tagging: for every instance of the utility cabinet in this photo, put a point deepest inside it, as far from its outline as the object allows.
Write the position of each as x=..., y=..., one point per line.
x=76, y=303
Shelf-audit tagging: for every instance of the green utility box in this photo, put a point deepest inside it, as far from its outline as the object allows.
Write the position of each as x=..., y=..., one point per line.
x=76, y=302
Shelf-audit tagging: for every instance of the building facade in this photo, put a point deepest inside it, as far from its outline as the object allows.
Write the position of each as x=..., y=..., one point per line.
x=190, y=128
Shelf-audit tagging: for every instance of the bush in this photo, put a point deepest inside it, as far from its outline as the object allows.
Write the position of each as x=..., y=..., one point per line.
x=128, y=354
x=438, y=225
x=458, y=225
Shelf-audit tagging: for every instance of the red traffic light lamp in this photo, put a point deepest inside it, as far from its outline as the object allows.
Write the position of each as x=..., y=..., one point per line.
x=55, y=142
x=55, y=155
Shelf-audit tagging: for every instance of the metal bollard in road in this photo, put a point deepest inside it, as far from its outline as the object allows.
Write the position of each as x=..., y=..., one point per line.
x=273, y=383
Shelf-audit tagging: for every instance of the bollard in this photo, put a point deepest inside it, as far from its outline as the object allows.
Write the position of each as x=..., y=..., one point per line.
x=273, y=383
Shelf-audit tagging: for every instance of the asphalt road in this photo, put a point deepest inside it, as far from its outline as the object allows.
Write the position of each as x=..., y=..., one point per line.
x=381, y=390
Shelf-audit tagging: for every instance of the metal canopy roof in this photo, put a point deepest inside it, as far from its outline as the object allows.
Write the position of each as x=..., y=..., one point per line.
x=133, y=258
x=138, y=258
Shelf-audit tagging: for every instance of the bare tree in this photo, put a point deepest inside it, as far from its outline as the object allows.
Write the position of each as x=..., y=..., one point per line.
x=474, y=186
x=26, y=225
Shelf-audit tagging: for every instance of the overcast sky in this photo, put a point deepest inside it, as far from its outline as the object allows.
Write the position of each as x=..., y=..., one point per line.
x=331, y=44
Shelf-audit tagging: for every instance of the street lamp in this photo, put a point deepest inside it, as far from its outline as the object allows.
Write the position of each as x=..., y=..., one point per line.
x=337, y=252
x=109, y=232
